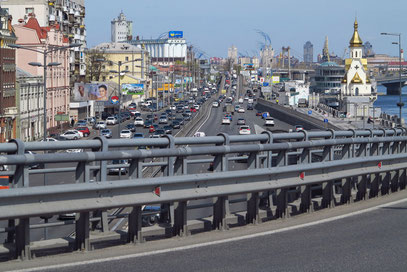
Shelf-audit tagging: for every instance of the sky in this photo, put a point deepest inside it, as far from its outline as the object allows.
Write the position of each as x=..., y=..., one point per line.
x=215, y=25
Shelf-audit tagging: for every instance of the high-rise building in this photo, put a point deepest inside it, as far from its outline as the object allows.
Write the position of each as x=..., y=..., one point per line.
x=232, y=53
x=368, y=50
x=266, y=56
x=121, y=28
x=325, y=51
x=308, y=52
x=68, y=14
x=8, y=110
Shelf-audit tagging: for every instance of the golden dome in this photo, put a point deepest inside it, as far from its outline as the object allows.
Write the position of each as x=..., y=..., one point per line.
x=356, y=41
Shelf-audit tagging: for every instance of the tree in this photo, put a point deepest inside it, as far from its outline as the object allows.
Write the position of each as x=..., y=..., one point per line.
x=94, y=71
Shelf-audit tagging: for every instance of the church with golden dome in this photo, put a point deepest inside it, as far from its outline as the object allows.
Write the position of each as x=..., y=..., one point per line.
x=356, y=89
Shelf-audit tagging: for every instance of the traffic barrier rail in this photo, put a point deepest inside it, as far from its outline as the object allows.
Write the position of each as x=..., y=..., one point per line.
x=275, y=164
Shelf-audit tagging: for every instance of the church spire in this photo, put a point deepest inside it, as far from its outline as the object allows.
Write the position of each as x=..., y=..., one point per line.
x=356, y=41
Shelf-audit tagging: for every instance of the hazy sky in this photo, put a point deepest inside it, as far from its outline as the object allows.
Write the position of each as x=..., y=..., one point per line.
x=214, y=25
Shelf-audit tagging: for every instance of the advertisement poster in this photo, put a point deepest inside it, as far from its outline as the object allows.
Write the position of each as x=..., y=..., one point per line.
x=133, y=89
x=85, y=92
x=80, y=93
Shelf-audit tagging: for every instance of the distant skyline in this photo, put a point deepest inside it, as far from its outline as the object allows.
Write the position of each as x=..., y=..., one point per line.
x=213, y=26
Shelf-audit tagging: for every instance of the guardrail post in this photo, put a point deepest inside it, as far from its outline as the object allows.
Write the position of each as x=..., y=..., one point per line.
x=180, y=227
x=221, y=204
x=394, y=185
x=100, y=177
x=135, y=225
x=135, y=169
x=346, y=191
x=23, y=250
x=21, y=172
x=385, y=183
x=374, y=185
x=362, y=187
x=328, y=200
x=219, y=213
x=328, y=151
x=306, y=155
x=282, y=207
x=269, y=159
x=252, y=215
x=306, y=199
x=82, y=241
x=167, y=209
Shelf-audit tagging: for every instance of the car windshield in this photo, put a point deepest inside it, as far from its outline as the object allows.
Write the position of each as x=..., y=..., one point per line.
x=105, y=131
x=125, y=131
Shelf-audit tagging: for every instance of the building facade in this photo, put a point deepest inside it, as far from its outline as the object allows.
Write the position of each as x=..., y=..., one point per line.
x=58, y=82
x=308, y=52
x=165, y=51
x=266, y=56
x=121, y=28
x=68, y=14
x=135, y=60
x=328, y=77
x=8, y=108
x=232, y=53
x=30, y=106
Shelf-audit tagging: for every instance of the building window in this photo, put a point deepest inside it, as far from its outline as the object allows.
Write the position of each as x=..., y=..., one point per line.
x=127, y=58
x=127, y=67
x=29, y=10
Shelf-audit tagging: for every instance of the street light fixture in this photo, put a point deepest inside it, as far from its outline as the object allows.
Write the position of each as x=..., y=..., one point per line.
x=45, y=66
x=400, y=104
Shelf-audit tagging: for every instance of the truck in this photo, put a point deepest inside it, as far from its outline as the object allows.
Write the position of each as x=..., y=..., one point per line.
x=229, y=108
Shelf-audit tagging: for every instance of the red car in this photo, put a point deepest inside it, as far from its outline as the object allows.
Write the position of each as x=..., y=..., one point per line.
x=151, y=129
x=258, y=113
x=84, y=130
x=193, y=109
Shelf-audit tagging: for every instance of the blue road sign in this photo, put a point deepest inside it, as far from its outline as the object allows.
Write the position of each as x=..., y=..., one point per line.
x=310, y=112
x=325, y=120
x=265, y=84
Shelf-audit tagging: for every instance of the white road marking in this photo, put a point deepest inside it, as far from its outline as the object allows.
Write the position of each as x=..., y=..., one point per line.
x=223, y=241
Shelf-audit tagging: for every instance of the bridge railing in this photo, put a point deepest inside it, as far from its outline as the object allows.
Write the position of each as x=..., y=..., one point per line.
x=279, y=168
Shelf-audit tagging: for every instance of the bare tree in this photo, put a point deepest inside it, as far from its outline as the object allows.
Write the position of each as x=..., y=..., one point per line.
x=94, y=65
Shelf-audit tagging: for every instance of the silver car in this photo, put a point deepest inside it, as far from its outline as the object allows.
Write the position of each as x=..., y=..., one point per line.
x=106, y=132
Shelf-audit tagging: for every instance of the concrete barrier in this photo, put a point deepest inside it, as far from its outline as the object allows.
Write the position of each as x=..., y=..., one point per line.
x=291, y=116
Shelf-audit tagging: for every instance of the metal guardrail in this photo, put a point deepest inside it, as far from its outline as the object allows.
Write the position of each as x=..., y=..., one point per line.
x=365, y=162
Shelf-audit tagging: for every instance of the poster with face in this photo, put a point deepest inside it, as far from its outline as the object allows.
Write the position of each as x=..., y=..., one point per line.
x=80, y=92
x=97, y=92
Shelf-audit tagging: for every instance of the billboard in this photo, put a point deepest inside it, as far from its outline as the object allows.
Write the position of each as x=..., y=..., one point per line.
x=275, y=79
x=175, y=34
x=133, y=89
x=90, y=91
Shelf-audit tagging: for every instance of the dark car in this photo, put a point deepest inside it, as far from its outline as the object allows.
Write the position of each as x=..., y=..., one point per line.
x=249, y=107
x=176, y=125
x=148, y=123
x=167, y=129
x=131, y=127
x=159, y=132
x=138, y=135
x=180, y=121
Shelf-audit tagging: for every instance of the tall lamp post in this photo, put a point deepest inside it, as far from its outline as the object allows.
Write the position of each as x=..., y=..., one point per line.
x=400, y=104
x=45, y=66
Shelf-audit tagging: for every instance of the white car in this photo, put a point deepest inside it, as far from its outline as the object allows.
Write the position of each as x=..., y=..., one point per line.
x=225, y=121
x=172, y=107
x=240, y=101
x=241, y=110
x=77, y=150
x=111, y=121
x=299, y=128
x=49, y=139
x=269, y=121
x=100, y=125
x=250, y=101
x=125, y=133
x=215, y=104
x=70, y=135
x=199, y=134
x=138, y=121
x=163, y=120
x=77, y=131
x=196, y=106
x=244, y=130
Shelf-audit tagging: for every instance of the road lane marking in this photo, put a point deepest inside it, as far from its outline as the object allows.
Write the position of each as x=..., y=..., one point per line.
x=206, y=244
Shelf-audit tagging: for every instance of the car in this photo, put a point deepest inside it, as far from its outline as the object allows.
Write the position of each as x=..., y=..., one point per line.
x=125, y=133
x=131, y=127
x=265, y=114
x=163, y=120
x=158, y=132
x=197, y=107
x=148, y=123
x=237, y=107
x=150, y=215
x=85, y=131
x=137, y=114
x=199, y=134
x=228, y=115
x=152, y=128
x=215, y=104
x=116, y=170
x=299, y=128
x=138, y=122
x=111, y=120
x=250, y=101
x=91, y=120
x=138, y=135
x=193, y=109
x=241, y=121
x=225, y=121
x=249, y=107
x=74, y=150
x=244, y=130
x=34, y=165
x=180, y=120
x=269, y=121
x=186, y=117
x=172, y=107
x=81, y=123
x=100, y=125
x=71, y=135
x=167, y=129
x=259, y=113
x=49, y=139
x=241, y=110
x=79, y=132
x=106, y=133
x=188, y=112
x=175, y=124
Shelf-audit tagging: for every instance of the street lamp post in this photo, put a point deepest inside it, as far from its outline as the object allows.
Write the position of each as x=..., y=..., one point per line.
x=45, y=66
x=400, y=104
